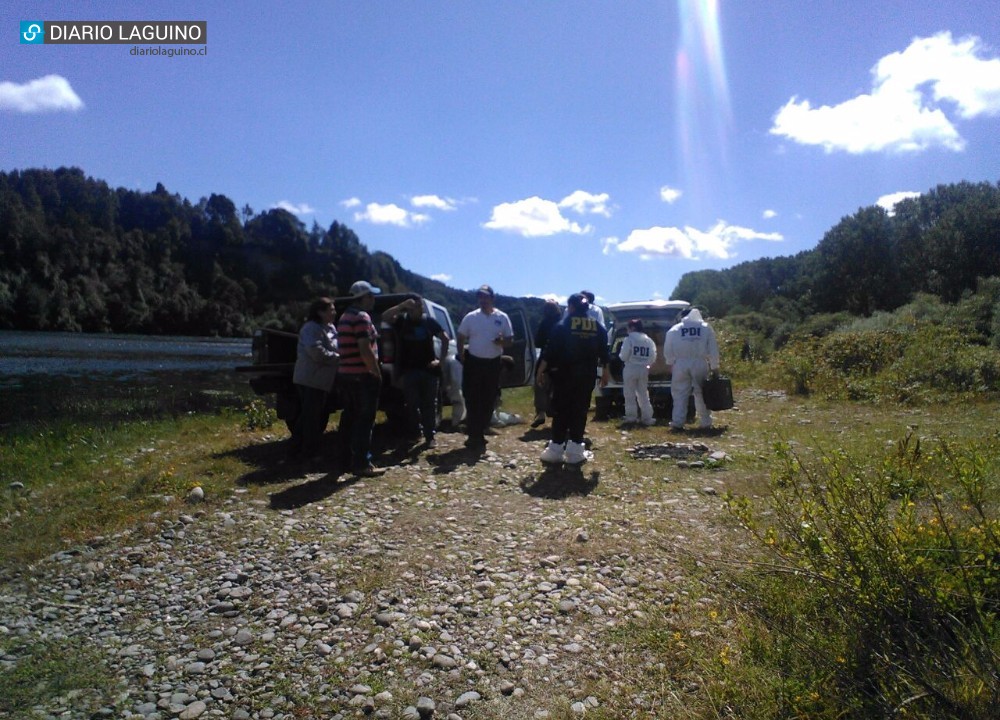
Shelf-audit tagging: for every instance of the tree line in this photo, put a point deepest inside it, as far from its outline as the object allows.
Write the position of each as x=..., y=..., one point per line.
x=939, y=243
x=79, y=256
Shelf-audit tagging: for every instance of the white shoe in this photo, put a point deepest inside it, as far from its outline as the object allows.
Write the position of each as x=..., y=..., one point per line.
x=576, y=454
x=553, y=453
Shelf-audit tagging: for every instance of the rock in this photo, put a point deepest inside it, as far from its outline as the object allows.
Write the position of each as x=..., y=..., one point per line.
x=467, y=698
x=193, y=710
x=196, y=495
x=425, y=707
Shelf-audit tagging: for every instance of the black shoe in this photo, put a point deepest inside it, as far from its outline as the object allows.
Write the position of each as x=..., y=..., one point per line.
x=430, y=443
x=475, y=443
x=538, y=421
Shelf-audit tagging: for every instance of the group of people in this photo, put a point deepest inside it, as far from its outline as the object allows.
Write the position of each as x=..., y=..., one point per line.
x=574, y=354
x=345, y=354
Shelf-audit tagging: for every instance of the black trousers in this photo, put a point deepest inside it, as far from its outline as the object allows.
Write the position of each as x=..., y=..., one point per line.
x=570, y=404
x=480, y=386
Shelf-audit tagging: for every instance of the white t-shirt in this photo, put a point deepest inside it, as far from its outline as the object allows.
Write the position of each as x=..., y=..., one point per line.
x=480, y=330
x=638, y=350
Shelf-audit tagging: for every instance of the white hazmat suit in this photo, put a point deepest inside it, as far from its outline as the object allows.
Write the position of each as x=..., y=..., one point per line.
x=638, y=352
x=690, y=348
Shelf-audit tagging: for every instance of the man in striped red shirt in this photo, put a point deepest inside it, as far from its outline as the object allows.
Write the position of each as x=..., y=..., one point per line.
x=359, y=378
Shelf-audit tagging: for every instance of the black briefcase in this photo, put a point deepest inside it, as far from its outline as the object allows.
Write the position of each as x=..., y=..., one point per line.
x=718, y=392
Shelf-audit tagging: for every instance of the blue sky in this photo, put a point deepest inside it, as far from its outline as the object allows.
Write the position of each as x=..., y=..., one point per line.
x=541, y=147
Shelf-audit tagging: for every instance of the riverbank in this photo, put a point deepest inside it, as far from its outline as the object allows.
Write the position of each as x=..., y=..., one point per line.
x=483, y=589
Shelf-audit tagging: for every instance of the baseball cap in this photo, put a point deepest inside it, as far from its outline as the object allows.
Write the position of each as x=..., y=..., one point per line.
x=363, y=287
x=577, y=300
x=484, y=290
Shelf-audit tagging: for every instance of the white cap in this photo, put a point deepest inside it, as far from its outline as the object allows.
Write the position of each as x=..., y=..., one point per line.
x=363, y=287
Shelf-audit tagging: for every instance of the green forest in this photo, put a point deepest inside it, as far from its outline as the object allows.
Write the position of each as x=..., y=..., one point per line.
x=79, y=256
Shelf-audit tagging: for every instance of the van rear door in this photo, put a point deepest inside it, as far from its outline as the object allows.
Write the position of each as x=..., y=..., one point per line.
x=522, y=372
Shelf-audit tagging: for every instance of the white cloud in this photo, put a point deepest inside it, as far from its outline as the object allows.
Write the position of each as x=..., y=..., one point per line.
x=687, y=243
x=769, y=214
x=584, y=202
x=351, y=202
x=433, y=201
x=46, y=94
x=561, y=299
x=905, y=112
x=300, y=209
x=390, y=214
x=889, y=201
x=670, y=195
x=441, y=277
x=532, y=217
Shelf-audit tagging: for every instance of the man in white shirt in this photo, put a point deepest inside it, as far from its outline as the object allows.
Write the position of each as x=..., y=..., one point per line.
x=482, y=336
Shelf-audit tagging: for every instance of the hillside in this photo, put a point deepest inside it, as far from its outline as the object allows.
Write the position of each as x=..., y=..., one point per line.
x=77, y=255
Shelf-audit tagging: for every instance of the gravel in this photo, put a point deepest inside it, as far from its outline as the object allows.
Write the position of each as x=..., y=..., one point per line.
x=445, y=589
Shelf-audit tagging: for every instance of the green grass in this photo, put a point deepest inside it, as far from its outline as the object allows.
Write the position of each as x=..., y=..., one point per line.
x=68, y=669
x=61, y=485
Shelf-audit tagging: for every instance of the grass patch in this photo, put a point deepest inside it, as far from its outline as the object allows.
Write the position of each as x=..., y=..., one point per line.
x=69, y=669
x=62, y=485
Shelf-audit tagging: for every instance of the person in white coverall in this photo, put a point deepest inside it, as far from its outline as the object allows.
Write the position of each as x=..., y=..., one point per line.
x=690, y=349
x=638, y=352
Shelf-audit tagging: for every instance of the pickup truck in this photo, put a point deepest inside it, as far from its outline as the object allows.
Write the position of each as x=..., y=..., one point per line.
x=274, y=352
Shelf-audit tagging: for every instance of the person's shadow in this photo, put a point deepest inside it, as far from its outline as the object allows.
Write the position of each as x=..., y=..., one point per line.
x=558, y=482
x=446, y=462
x=310, y=491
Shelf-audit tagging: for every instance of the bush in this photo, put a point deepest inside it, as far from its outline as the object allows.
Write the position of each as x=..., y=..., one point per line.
x=881, y=595
x=259, y=415
x=920, y=365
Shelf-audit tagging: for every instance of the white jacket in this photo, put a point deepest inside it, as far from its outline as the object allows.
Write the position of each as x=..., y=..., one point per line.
x=691, y=339
x=638, y=350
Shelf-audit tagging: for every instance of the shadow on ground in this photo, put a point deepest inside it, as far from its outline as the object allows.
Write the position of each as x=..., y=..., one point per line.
x=557, y=482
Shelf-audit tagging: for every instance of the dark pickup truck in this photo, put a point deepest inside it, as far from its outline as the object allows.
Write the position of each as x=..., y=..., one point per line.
x=274, y=352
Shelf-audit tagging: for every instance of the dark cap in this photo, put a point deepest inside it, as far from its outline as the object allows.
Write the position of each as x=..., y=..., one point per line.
x=635, y=324
x=577, y=302
x=485, y=290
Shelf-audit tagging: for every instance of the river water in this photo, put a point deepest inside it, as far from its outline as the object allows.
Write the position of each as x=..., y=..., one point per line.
x=100, y=378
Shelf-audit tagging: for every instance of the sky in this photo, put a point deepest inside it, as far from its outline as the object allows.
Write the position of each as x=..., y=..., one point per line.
x=542, y=147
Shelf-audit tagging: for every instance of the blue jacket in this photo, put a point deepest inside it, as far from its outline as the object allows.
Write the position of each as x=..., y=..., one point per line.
x=576, y=347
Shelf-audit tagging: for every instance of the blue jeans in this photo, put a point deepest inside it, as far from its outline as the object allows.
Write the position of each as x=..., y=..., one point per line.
x=420, y=389
x=359, y=394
